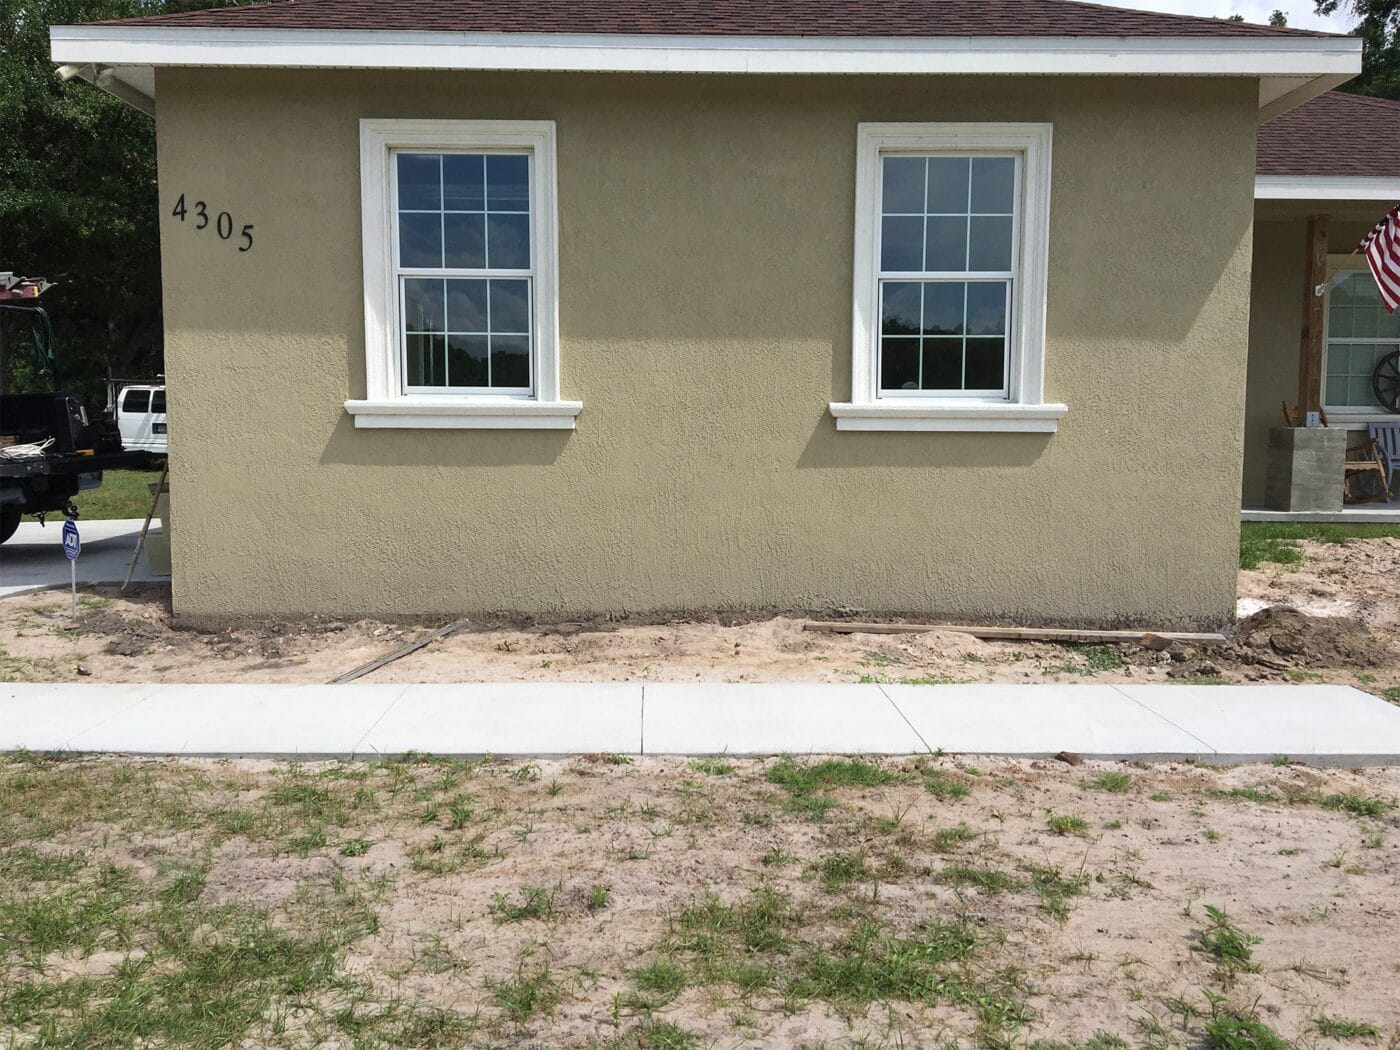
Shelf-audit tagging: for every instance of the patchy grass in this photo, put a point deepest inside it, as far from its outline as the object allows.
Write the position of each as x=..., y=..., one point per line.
x=204, y=904
x=1067, y=824
x=1229, y=1031
x=1353, y=804
x=1230, y=945
x=122, y=494
x=1278, y=541
x=1113, y=780
x=1339, y=1028
x=531, y=902
x=804, y=778
x=712, y=767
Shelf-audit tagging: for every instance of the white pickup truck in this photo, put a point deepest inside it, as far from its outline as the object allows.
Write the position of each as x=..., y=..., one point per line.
x=141, y=418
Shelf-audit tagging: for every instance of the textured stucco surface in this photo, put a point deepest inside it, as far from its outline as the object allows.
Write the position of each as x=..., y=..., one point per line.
x=705, y=284
x=1276, y=314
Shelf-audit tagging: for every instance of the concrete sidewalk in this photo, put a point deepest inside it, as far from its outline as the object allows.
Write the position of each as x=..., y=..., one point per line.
x=1326, y=725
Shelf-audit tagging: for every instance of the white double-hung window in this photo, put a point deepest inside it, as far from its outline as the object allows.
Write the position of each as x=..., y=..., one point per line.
x=461, y=312
x=1360, y=332
x=951, y=249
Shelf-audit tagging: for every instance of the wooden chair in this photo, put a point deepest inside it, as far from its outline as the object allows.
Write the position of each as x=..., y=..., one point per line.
x=1368, y=459
x=1387, y=435
x=1365, y=460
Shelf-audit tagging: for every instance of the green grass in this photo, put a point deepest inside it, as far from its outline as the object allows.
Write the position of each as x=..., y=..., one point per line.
x=662, y=979
x=1112, y=780
x=1356, y=805
x=1278, y=541
x=942, y=785
x=947, y=840
x=836, y=871
x=1064, y=824
x=1249, y=793
x=529, y=992
x=663, y=1035
x=712, y=767
x=1227, y=1031
x=1230, y=945
x=801, y=778
x=1339, y=1028
x=536, y=902
x=122, y=494
x=206, y=975
x=1056, y=890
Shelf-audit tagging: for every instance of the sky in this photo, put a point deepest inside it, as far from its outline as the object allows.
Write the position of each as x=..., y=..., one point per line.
x=1300, y=12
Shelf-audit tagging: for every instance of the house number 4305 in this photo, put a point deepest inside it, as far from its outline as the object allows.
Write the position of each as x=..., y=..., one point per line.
x=198, y=213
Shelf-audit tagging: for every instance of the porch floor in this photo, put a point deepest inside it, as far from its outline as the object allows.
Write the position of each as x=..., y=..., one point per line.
x=1359, y=514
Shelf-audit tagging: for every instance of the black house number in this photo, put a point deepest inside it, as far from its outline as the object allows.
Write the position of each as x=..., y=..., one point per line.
x=198, y=213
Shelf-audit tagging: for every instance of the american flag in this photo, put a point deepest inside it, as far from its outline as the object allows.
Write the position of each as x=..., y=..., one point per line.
x=1382, y=250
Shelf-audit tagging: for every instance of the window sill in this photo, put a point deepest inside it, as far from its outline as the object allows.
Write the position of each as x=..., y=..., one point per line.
x=948, y=416
x=439, y=413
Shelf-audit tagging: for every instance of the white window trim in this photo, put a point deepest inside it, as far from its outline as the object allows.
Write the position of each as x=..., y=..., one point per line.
x=1346, y=413
x=1025, y=408
x=385, y=403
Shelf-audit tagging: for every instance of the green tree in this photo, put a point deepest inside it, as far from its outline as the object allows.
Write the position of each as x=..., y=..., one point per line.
x=78, y=201
x=1378, y=24
x=1278, y=18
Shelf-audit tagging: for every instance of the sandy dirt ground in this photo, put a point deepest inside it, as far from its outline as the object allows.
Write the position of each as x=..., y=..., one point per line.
x=1344, y=629
x=663, y=903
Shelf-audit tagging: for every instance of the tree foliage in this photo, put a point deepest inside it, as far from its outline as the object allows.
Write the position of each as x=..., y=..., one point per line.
x=1378, y=24
x=78, y=201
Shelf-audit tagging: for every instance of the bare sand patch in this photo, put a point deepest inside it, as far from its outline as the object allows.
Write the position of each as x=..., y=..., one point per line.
x=1347, y=598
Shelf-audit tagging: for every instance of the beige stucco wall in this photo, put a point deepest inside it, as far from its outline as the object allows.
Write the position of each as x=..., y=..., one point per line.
x=1276, y=314
x=705, y=286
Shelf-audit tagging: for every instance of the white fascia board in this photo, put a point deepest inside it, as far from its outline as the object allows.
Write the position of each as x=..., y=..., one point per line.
x=622, y=53
x=1327, y=188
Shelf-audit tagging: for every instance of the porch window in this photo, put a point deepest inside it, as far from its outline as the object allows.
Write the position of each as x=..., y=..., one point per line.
x=1359, y=333
x=951, y=252
x=460, y=235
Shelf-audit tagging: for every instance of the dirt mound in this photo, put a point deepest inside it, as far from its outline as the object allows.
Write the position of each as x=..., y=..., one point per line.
x=1312, y=641
x=126, y=636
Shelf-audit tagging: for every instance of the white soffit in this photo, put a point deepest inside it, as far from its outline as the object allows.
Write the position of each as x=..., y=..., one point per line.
x=1291, y=68
x=1327, y=188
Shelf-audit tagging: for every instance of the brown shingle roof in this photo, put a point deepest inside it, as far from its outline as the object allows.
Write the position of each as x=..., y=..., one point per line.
x=1333, y=134
x=869, y=18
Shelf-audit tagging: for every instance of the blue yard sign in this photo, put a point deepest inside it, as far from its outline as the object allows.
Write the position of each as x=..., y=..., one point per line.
x=72, y=545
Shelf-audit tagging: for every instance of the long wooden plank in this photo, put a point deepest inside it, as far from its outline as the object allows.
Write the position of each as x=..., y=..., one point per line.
x=1024, y=634
x=411, y=647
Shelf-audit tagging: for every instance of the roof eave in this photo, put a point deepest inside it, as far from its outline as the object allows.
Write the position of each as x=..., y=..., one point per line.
x=1327, y=187
x=1291, y=69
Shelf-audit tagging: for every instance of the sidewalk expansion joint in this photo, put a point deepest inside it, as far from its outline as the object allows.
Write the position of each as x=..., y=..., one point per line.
x=1164, y=718
x=911, y=725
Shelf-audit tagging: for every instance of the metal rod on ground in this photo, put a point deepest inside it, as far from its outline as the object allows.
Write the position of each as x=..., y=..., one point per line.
x=141, y=541
x=411, y=647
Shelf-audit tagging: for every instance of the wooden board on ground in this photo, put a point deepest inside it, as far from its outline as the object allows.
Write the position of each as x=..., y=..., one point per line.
x=1023, y=634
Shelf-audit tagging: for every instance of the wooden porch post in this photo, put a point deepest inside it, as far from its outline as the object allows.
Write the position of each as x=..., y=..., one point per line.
x=1310, y=348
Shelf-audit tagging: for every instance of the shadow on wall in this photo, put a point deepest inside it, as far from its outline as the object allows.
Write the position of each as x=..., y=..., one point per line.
x=441, y=448
x=827, y=447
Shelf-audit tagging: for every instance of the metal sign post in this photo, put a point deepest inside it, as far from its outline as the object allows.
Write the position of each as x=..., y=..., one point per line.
x=72, y=547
